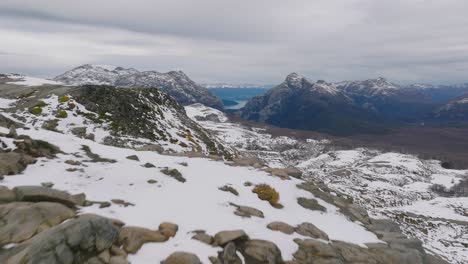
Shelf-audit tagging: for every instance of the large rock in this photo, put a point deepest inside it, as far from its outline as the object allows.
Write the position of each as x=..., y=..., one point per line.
x=229, y=255
x=14, y=163
x=44, y=194
x=6, y=195
x=261, y=252
x=314, y=251
x=311, y=204
x=310, y=230
x=182, y=258
x=224, y=237
x=21, y=221
x=168, y=229
x=282, y=227
x=247, y=211
x=75, y=241
x=132, y=238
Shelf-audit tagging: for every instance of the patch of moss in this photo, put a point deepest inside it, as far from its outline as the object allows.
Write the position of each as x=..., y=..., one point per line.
x=61, y=114
x=35, y=110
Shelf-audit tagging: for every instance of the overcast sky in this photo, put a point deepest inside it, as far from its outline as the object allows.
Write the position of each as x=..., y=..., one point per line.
x=235, y=41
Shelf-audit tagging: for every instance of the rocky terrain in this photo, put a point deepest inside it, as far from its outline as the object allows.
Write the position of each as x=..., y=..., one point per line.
x=426, y=200
x=174, y=83
x=455, y=110
x=111, y=193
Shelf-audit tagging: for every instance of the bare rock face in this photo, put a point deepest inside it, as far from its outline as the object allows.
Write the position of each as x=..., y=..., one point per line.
x=132, y=238
x=75, y=241
x=229, y=255
x=21, y=221
x=168, y=229
x=182, y=258
x=247, y=211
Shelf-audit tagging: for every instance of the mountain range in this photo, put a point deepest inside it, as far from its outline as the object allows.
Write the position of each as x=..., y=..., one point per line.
x=344, y=108
x=175, y=83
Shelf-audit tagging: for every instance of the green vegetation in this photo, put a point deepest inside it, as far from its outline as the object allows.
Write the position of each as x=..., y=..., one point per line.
x=35, y=110
x=61, y=114
x=63, y=99
x=40, y=104
x=267, y=193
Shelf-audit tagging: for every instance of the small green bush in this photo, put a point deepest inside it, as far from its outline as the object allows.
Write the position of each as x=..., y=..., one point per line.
x=35, y=110
x=63, y=99
x=40, y=104
x=267, y=193
x=61, y=114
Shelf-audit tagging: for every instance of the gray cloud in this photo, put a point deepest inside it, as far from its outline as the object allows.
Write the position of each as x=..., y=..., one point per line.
x=233, y=41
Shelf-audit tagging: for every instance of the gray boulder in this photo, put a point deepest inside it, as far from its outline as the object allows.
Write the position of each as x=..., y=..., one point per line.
x=224, y=237
x=132, y=238
x=261, y=252
x=310, y=230
x=75, y=241
x=44, y=194
x=14, y=163
x=182, y=258
x=21, y=221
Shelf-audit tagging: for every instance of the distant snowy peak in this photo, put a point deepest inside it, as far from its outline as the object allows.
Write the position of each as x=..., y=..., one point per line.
x=296, y=81
x=324, y=87
x=175, y=83
x=371, y=87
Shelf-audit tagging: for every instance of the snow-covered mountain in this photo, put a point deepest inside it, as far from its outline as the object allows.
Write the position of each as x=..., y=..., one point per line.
x=455, y=110
x=371, y=87
x=174, y=83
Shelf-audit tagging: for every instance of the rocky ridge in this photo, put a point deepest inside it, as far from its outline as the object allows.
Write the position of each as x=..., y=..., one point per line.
x=175, y=83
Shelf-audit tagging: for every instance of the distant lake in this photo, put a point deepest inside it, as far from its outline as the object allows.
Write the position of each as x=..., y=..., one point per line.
x=236, y=98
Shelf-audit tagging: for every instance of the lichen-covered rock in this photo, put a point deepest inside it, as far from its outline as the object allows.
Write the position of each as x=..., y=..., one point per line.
x=13, y=163
x=168, y=229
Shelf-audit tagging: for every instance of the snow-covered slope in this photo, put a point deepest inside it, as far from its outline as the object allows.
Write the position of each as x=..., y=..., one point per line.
x=389, y=185
x=174, y=83
x=371, y=87
x=27, y=80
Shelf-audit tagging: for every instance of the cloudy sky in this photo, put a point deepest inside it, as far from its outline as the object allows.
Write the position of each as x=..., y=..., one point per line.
x=255, y=41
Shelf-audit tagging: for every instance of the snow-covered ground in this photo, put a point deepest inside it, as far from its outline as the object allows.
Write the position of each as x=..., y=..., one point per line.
x=388, y=185
x=193, y=205
x=30, y=81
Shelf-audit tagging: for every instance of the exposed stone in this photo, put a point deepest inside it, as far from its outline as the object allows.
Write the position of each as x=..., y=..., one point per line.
x=44, y=194
x=132, y=238
x=282, y=227
x=260, y=252
x=133, y=157
x=79, y=131
x=182, y=258
x=168, y=229
x=310, y=230
x=311, y=204
x=174, y=173
x=75, y=241
x=156, y=148
x=224, y=237
x=118, y=260
x=202, y=237
x=314, y=251
x=14, y=163
x=6, y=195
x=47, y=184
x=227, y=188
x=246, y=211
x=73, y=162
x=149, y=165
x=228, y=255
x=21, y=221
x=122, y=202
x=151, y=181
